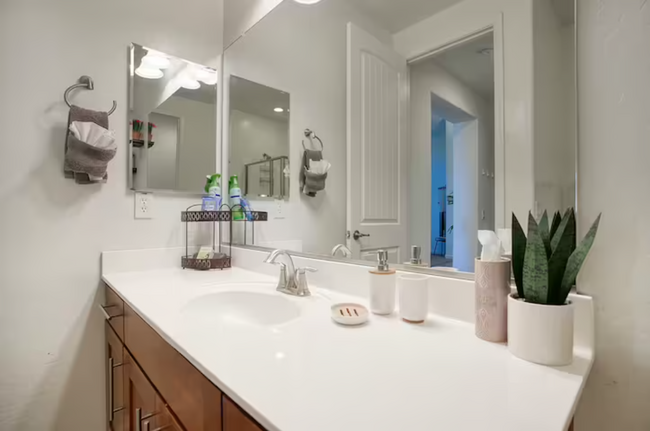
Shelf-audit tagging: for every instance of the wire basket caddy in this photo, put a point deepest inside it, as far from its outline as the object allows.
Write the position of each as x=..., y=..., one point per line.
x=221, y=252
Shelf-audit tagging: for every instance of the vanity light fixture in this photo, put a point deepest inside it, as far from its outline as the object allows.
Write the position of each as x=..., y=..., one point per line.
x=190, y=83
x=207, y=76
x=156, y=60
x=148, y=72
x=307, y=1
x=279, y=110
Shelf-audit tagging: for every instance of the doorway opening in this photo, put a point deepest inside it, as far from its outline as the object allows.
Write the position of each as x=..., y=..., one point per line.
x=452, y=95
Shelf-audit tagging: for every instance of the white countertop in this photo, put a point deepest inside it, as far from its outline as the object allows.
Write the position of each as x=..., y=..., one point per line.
x=312, y=375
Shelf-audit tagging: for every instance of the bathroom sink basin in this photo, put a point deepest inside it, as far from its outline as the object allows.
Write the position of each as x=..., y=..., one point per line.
x=243, y=308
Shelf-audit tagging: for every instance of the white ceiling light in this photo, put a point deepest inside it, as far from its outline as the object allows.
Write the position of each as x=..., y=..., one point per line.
x=148, y=72
x=307, y=1
x=279, y=110
x=208, y=76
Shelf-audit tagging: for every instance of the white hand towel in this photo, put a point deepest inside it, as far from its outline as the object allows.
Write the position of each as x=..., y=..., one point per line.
x=93, y=134
x=320, y=167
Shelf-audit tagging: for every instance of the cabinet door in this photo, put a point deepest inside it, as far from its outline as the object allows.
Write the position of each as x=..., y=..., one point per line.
x=114, y=380
x=140, y=397
x=164, y=421
x=236, y=420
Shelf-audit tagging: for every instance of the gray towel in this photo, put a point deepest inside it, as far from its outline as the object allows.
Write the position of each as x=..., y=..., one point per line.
x=310, y=183
x=83, y=162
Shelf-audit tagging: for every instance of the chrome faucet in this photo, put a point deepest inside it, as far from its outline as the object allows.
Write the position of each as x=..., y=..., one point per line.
x=343, y=249
x=292, y=281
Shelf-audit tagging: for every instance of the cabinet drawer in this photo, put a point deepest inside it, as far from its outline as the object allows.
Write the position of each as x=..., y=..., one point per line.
x=190, y=395
x=114, y=311
x=234, y=419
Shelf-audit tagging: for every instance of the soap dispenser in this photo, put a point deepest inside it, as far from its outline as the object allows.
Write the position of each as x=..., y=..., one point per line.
x=382, y=286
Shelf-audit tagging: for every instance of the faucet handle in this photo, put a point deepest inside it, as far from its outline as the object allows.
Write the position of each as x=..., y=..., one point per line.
x=301, y=281
x=303, y=271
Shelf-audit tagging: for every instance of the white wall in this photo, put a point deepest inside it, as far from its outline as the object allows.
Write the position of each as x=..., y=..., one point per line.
x=614, y=107
x=52, y=361
x=197, y=151
x=162, y=157
x=252, y=136
x=554, y=110
x=456, y=23
x=302, y=50
x=242, y=15
x=457, y=103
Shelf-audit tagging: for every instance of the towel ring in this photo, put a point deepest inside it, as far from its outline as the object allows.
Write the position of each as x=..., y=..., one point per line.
x=87, y=83
x=309, y=134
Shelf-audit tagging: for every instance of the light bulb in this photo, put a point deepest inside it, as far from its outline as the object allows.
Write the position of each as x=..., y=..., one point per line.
x=208, y=76
x=190, y=83
x=157, y=61
x=148, y=72
x=279, y=110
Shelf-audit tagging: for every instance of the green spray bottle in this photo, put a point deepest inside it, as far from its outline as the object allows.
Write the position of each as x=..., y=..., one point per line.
x=235, y=198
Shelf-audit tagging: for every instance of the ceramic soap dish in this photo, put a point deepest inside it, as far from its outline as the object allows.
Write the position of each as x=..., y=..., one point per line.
x=349, y=314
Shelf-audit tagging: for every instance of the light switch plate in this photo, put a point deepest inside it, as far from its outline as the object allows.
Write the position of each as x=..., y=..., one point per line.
x=143, y=205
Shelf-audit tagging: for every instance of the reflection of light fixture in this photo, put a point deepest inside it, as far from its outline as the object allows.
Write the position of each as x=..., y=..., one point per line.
x=208, y=76
x=279, y=110
x=307, y=1
x=148, y=72
x=190, y=83
x=156, y=60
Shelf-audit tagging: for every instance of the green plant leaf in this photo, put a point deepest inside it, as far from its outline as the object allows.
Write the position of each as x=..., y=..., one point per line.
x=576, y=260
x=518, y=253
x=558, y=233
x=557, y=219
x=545, y=233
x=558, y=262
x=535, y=266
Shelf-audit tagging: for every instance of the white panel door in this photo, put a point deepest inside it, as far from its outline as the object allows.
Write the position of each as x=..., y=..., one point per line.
x=377, y=96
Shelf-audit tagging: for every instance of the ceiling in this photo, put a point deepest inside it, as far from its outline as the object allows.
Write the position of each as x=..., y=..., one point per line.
x=396, y=15
x=253, y=98
x=469, y=66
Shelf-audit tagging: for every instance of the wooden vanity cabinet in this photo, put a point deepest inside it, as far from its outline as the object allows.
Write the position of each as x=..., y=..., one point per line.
x=154, y=388
x=114, y=380
x=235, y=419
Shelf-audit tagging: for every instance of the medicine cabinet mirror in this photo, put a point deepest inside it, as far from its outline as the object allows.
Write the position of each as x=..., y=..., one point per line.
x=259, y=138
x=172, y=119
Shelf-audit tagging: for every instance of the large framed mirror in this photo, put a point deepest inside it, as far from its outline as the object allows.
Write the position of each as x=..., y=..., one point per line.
x=435, y=120
x=173, y=122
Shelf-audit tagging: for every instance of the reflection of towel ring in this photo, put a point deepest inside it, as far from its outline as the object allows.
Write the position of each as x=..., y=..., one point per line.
x=87, y=83
x=311, y=136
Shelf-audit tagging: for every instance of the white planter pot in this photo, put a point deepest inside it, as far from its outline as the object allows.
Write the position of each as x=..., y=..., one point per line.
x=542, y=334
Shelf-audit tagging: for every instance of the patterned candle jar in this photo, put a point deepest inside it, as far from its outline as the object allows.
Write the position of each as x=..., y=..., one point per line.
x=492, y=285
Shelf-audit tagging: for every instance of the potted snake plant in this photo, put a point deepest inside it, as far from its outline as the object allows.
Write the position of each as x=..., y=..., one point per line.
x=545, y=265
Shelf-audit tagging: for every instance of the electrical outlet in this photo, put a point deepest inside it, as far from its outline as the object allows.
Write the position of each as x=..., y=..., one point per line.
x=143, y=205
x=279, y=209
